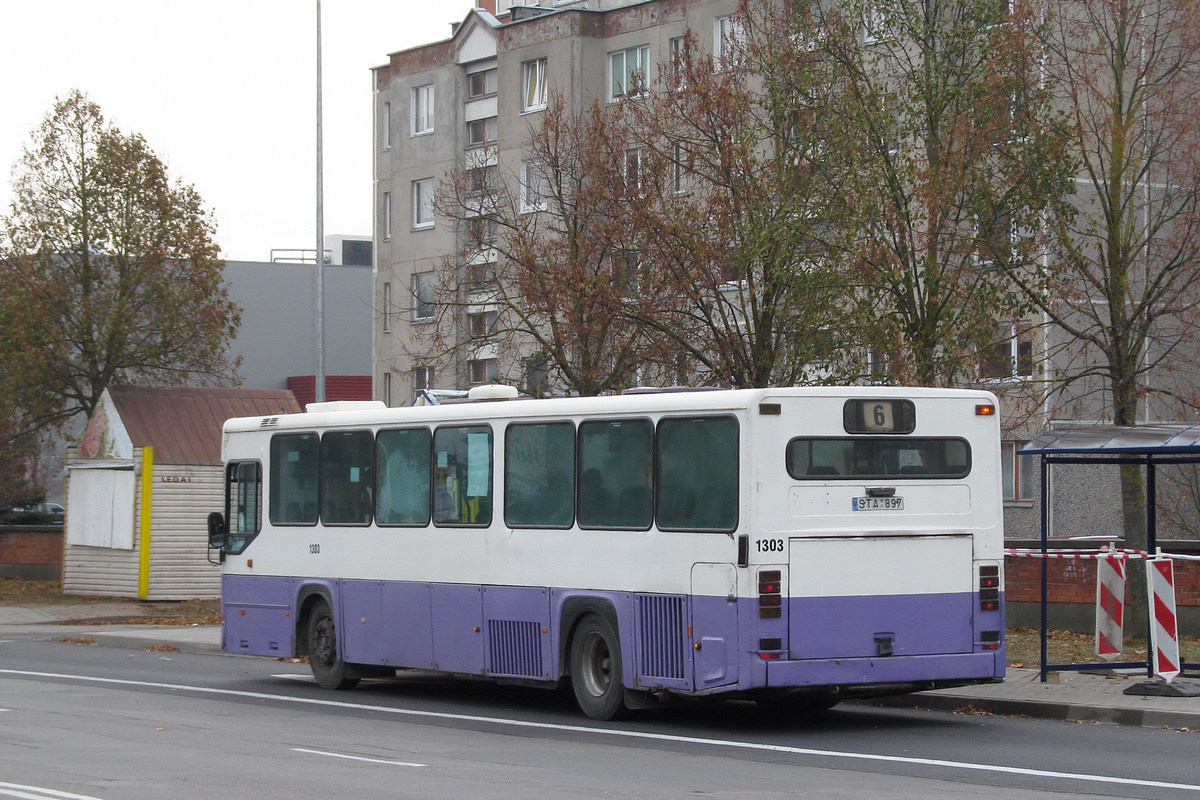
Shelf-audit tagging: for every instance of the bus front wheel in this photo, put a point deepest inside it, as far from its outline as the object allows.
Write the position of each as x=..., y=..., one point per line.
x=327, y=665
x=596, y=669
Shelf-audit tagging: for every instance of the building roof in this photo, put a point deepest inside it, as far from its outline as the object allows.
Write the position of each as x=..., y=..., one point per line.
x=1149, y=440
x=183, y=425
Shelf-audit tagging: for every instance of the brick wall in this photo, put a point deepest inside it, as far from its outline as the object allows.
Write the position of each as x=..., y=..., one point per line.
x=1074, y=580
x=32, y=552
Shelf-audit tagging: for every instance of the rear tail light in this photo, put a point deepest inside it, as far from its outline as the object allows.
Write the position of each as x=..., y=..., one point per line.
x=989, y=587
x=990, y=640
x=770, y=594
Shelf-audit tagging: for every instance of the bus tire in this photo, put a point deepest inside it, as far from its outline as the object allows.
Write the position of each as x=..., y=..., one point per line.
x=596, y=669
x=326, y=662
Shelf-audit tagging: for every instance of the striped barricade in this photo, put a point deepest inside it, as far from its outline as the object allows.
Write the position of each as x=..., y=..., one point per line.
x=1164, y=634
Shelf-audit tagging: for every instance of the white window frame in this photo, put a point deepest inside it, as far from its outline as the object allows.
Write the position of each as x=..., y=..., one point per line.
x=422, y=198
x=1018, y=336
x=387, y=125
x=387, y=307
x=422, y=110
x=729, y=34
x=386, y=389
x=633, y=169
x=533, y=186
x=675, y=52
x=533, y=85
x=622, y=90
x=423, y=307
x=422, y=379
x=387, y=215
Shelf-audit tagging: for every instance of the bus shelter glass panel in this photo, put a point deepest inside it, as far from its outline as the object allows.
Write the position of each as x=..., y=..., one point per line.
x=402, y=470
x=697, y=486
x=294, y=458
x=616, y=466
x=346, y=481
x=878, y=458
x=539, y=475
x=462, y=475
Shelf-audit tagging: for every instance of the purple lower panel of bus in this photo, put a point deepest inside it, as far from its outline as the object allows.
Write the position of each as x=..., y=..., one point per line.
x=894, y=669
x=864, y=627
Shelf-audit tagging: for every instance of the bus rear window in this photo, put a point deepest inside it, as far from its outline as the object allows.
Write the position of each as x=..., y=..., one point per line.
x=877, y=457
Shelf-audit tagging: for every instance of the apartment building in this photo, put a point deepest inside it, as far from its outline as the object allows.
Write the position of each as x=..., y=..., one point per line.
x=469, y=102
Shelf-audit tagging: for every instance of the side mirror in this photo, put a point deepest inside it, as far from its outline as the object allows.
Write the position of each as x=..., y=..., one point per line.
x=216, y=530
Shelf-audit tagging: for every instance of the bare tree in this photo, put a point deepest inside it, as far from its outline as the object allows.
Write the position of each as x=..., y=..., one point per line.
x=949, y=161
x=548, y=275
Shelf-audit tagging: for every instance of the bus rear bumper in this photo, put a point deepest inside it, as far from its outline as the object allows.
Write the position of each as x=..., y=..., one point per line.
x=918, y=672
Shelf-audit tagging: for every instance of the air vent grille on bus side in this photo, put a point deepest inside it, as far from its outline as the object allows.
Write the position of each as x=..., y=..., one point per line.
x=515, y=648
x=269, y=422
x=663, y=636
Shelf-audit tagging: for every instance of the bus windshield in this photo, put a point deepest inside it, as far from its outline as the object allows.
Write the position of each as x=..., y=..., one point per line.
x=812, y=458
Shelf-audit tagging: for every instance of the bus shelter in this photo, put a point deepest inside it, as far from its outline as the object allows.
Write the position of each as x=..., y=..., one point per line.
x=1147, y=446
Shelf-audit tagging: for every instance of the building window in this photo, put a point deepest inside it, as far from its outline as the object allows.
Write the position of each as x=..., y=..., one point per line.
x=483, y=370
x=422, y=380
x=481, y=180
x=1019, y=473
x=676, y=53
x=481, y=232
x=874, y=23
x=387, y=215
x=533, y=81
x=1011, y=357
x=534, y=187
x=387, y=307
x=423, y=298
x=386, y=389
x=387, y=126
x=729, y=34
x=679, y=169
x=629, y=72
x=481, y=131
x=422, y=110
x=481, y=324
x=633, y=170
x=481, y=84
x=423, y=203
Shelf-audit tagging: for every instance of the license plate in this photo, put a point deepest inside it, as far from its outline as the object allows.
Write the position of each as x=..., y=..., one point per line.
x=879, y=504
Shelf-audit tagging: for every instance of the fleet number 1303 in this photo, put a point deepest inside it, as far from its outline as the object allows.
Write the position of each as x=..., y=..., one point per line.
x=770, y=545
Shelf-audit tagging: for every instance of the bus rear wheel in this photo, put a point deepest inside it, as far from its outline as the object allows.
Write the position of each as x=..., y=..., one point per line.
x=327, y=665
x=596, y=669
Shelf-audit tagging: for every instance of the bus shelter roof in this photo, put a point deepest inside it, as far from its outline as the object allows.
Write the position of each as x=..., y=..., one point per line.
x=1139, y=440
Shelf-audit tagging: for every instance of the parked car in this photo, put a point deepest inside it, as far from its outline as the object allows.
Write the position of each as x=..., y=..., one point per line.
x=33, y=514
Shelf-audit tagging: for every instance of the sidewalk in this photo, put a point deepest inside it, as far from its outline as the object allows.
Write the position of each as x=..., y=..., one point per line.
x=1076, y=697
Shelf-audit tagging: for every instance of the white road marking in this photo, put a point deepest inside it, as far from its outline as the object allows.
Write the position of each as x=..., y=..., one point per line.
x=357, y=758
x=39, y=792
x=624, y=734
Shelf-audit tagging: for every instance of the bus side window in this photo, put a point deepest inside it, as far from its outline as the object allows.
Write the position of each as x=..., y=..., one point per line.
x=346, y=482
x=294, y=461
x=462, y=475
x=402, y=475
x=697, y=486
x=616, y=461
x=539, y=475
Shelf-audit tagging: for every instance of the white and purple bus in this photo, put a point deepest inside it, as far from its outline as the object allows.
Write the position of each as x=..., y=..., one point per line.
x=794, y=546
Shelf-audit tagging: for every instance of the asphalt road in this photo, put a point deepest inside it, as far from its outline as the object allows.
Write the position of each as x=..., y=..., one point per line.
x=80, y=722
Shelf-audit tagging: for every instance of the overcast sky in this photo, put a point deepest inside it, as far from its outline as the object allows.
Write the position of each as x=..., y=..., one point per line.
x=224, y=91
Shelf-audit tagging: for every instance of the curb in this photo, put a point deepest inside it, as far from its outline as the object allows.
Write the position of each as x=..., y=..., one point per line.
x=1042, y=709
